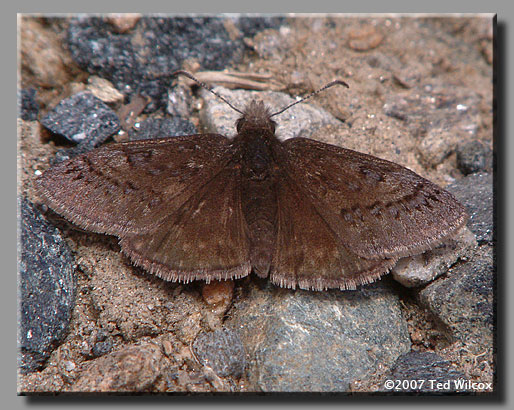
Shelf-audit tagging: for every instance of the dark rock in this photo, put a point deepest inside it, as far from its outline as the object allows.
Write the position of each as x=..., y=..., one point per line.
x=83, y=119
x=463, y=301
x=201, y=38
x=422, y=371
x=473, y=157
x=46, y=288
x=28, y=106
x=250, y=26
x=161, y=127
x=95, y=46
x=222, y=351
x=476, y=194
x=318, y=341
x=156, y=46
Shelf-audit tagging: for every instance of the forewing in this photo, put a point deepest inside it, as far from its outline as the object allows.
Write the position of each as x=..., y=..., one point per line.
x=377, y=208
x=132, y=186
x=308, y=253
x=205, y=238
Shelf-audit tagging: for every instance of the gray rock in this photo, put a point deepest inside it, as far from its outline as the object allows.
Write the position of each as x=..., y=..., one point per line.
x=463, y=301
x=222, y=351
x=421, y=269
x=46, y=288
x=318, y=341
x=83, y=119
x=422, y=372
x=299, y=120
x=180, y=100
x=476, y=194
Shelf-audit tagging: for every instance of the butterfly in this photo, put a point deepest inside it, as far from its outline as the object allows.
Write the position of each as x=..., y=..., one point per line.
x=204, y=207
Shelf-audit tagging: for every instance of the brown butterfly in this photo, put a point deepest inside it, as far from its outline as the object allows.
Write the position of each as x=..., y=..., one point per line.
x=302, y=212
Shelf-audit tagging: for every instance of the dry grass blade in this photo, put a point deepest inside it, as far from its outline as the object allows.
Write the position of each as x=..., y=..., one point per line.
x=233, y=80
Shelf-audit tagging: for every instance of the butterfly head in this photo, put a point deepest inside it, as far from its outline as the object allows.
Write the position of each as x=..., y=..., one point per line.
x=256, y=116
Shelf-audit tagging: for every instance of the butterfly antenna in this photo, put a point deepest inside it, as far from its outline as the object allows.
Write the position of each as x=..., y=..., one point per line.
x=336, y=82
x=203, y=85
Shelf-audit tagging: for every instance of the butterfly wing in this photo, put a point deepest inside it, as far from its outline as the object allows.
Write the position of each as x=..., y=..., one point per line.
x=205, y=238
x=131, y=187
x=175, y=206
x=308, y=253
x=378, y=209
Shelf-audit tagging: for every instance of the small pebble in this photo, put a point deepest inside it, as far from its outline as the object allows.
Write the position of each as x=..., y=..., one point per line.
x=365, y=38
x=218, y=292
x=123, y=22
x=69, y=366
x=104, y=90
x=167, y=347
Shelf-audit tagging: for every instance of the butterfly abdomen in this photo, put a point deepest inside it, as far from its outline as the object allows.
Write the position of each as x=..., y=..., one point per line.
x=258, y=198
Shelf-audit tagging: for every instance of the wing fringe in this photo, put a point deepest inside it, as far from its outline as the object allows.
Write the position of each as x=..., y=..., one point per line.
x=170, y=274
